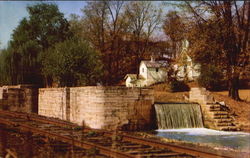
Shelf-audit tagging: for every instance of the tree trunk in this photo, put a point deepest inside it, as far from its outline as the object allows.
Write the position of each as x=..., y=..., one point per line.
x=233, y=91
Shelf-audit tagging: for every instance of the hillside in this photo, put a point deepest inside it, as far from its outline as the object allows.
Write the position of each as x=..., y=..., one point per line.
x=162, y=94
x=240, y=109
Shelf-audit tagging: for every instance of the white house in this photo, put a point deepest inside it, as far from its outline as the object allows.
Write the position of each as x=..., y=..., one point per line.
x=185, y=67
x=133, y=81
x=150, y=72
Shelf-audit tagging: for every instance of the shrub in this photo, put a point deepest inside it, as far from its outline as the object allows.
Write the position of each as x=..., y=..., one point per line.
x=72, y=63
x=211, y=78
x=178, y=86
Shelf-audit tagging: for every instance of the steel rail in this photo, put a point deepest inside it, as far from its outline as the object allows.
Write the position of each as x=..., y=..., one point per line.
x=175, y=148
x=144, y=141
x=81, y=144
x=38, y=118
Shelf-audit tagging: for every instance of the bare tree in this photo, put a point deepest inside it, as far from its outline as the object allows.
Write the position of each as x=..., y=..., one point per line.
x=94, y=21
x=144, y=19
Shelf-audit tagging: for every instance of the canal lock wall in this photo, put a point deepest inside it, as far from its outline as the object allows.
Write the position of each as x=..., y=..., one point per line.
x=22, y=98
x=100, y=107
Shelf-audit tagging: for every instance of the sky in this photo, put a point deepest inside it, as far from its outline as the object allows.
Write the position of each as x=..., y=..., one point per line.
x=11, y=12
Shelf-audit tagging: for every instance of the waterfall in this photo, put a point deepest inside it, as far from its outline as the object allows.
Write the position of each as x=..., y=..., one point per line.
x=178, y=115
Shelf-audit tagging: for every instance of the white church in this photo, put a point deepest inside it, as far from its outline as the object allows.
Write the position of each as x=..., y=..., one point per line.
x=185, y=66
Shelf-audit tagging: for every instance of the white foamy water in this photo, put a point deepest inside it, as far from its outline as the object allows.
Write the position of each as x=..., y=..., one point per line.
x=236, y=140
x=201, y=131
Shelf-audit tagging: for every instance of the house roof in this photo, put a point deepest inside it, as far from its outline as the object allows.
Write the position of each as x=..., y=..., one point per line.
x=155, y=64
x=133, y=76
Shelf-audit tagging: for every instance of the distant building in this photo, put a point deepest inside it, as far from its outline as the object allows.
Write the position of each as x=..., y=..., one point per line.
x=185, y=66
x=150, y=72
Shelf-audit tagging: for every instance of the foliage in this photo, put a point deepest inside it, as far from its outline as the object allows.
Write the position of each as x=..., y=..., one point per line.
x=178, y=86
x=4, y=67
x=44, y=27
x=72, y=63
x=211, y=78
x=174, y=27
x=220, y=34
x=111, y=27
x=47, y=24
x=108, y=26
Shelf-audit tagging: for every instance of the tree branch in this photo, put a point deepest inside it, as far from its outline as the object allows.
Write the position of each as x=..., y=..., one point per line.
x=194, y=12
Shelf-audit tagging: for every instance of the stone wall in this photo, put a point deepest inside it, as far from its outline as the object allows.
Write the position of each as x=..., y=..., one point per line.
x=52, y=102
x=22, y=98
x=100, y=107
x=200, y=95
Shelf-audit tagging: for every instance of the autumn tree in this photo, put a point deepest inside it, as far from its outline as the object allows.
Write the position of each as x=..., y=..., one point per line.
x=105, y=27
x=94, y=21
x=110, y=28
x=221, y=29
x=174, y=27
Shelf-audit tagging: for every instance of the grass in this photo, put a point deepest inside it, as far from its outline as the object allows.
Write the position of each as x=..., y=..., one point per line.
x=162, y=94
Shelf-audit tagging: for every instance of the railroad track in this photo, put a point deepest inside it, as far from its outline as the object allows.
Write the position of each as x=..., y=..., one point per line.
x=108, y=144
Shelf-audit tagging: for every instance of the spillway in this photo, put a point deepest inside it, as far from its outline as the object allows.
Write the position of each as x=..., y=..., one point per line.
x=178, y=115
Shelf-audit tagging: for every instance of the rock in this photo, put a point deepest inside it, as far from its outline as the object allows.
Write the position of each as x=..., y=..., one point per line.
x=222, y=103
x=186, y=98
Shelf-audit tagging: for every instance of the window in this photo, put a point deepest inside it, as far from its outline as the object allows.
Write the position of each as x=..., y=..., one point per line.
x=157, y=69
x=142, y=69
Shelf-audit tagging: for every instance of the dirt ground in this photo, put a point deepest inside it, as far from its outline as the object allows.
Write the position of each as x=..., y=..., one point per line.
x=244, y=94
x=163, y=94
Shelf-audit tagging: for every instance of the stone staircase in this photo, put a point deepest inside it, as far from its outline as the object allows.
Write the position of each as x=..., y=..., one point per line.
x=216, y=115
x=221, y=117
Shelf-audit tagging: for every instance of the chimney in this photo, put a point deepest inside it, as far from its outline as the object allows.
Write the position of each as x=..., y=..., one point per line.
x=152, y=58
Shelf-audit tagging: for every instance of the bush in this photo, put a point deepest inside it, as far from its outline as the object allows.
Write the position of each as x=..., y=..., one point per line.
x=72, y=63
x=211, y=78
x=178, y=86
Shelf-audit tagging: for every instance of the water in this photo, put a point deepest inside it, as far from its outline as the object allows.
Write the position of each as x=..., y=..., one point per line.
x=178, y=115
x=234, y=140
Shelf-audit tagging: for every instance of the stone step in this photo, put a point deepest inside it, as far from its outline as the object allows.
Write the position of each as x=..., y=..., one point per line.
x=229, y=128
x=225, y=124
x=226, y=120
x=215, y=109
x=221, y=117
x=213, y=106
x=216, y=113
